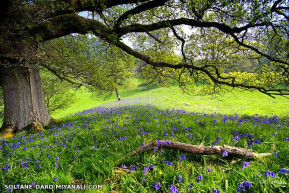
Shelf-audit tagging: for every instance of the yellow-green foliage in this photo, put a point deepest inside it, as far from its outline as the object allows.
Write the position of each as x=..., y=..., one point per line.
x=161, y=75
x=113, y=68
x=87, y=61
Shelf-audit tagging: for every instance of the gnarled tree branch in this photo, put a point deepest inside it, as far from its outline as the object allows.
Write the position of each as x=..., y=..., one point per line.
x=139, y=9
x=198, y=149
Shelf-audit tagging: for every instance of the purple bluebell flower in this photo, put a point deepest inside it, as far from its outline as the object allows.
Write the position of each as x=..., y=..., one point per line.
x=283, y=170
x=214, y=122
x=152, y=166
x=173, y=189
x=170, y=164
x=180, y=178
x=246, y=183
x=236, y=133
x=146, y=169
x=270, y=173
x=165, y=162
x=123, y=165
x=275, y=154
x=183, y=157
x=244, y=135
x=157, y=186
x=243, y=185
x=55, y=178
x=245, y=164
x=132, y=167
x=257, y=142
x=217, y=141
x=200, y=177
x=209, y=170
x=190, y=187
x=224, y=153
x=216, y=191
x=236, y=138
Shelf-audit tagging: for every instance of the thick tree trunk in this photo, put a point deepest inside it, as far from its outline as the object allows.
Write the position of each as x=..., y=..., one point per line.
x=117, y=94
x=24, y=104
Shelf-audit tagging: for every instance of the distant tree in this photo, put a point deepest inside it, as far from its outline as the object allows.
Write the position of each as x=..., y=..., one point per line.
x=58, y=94
x=115, y=69
x=254, y=29
x=83, y=61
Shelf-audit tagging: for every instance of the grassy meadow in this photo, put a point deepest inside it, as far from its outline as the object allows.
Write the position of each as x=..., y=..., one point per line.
x=88, y=148
x=235, y=102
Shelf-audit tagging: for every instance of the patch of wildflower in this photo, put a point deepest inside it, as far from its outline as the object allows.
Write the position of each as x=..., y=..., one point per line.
x=270, y=174
x=157, y=186
x=243, y=185
x=173, y=189
x=245, y=164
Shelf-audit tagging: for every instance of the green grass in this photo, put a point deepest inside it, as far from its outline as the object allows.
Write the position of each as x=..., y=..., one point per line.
x=237, y=101
x=87, y=149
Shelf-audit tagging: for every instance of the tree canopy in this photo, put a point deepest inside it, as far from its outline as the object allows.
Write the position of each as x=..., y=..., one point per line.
x=221, y=32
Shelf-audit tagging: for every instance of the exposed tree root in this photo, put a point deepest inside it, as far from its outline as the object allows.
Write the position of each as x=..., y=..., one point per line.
x=55, y=121
x=9, y=132
x=37, y=127
x=6, y=133
x=199, y=149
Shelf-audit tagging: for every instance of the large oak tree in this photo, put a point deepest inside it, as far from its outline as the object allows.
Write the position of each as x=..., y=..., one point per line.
x=252, y=28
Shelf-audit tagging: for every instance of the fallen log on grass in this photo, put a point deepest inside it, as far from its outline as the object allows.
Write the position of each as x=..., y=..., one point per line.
x=224, y=150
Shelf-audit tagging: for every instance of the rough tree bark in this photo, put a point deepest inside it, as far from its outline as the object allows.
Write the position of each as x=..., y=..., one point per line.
x=117, y=94
x=24, y=104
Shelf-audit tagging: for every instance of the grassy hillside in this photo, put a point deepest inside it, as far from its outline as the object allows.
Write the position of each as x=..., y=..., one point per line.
x=239, y=102
x=89, y=149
